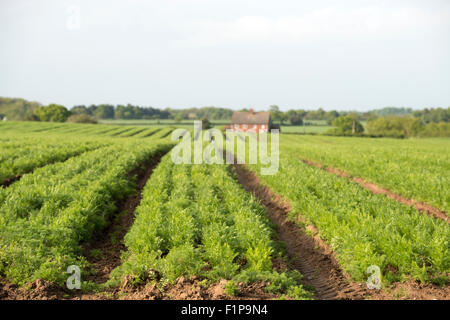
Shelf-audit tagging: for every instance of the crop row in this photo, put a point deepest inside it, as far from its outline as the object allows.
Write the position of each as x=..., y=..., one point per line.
x=197, y=220
x=45, y=215
x=415, y=168
x=363, y=229
x=107, y=131
x=20, y=156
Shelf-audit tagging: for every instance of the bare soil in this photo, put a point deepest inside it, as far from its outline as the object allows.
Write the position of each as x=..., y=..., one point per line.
x=193, y=289
x=374, y=188
x=37, y=290
x=182, y=289
x=9, y=181
x=105, y=250
x=313, y=258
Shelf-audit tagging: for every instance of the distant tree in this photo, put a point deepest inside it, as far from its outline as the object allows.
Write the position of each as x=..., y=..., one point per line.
x=395, y=126
x=206, y=124
x=81, y=109
x=81, y=118
x=432, y=129
x=290, y=112
x=346, y=126
x=316, y=115
x=330, y=116
x=52, y=112
x=119, y=113
x=433, y=115
x=276, y=114
x=204, y=112
x=17, y=109
x=104, y=111
x=92, y=108
x=178, y=117
x=392, y=111
x=296, y=119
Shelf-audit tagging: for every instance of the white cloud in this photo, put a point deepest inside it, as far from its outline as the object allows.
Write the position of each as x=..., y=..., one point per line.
x=325, y=23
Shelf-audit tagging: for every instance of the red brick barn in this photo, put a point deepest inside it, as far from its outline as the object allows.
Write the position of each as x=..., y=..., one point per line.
x=251, y=121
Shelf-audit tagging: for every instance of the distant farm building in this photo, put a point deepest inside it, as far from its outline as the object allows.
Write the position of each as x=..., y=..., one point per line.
x=251, y=121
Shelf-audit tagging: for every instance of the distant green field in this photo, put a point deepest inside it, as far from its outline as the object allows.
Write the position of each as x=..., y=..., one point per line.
x=305, y=129
x=317, y=127
x=164, y=122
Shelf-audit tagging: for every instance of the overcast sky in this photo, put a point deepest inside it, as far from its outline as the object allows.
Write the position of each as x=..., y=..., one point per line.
x=343, y=55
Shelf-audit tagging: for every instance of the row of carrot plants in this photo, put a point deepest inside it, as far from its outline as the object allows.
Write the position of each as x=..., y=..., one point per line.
x=47, y=214
x=197, y=220
x=363, y=229
x=414, y=168
x=22, y=155
x=87, y=130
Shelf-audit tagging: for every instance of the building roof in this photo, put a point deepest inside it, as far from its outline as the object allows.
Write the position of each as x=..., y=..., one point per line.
x=240, y=117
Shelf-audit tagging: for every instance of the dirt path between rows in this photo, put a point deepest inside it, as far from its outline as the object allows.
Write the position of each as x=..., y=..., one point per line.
x=108, y=246
x=374, y=188
x=313, y=258
x=7, y=182
x=310, y=255
x=105, y=250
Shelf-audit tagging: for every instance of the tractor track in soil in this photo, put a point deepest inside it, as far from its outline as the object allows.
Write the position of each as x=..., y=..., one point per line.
x=374, y=188
x=310, y=255
x=313, y=258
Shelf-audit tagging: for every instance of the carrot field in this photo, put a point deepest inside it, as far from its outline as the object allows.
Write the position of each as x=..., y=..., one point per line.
x=110, y=200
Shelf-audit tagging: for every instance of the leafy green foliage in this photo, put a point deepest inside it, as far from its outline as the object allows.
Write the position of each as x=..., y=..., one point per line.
x=52, y=112
x=19, y=156
x=81, y=118
x=417, y=168
x=197, y=220
x=436, y=115
x=394, y=126
x=45, y=130
x=441, y=129
x=346, y=126
x=45, y=215
x=231, y=288
x=296, y=120
x=362, y=228
x=17, y=109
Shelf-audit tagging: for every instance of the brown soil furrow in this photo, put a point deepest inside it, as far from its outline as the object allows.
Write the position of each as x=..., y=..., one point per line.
x=374, y=188
x=6, y=183
x=310, y=255
x=104, y=252
x=315, y=260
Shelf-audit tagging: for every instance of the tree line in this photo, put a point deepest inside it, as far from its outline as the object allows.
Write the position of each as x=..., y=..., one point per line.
x=388, y=122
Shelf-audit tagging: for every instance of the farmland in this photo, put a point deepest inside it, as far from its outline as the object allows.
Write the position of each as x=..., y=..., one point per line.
x=46, y=214
x=363, y=228
x=219, y=231
x=415, y=168
x=197, y=221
